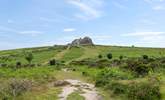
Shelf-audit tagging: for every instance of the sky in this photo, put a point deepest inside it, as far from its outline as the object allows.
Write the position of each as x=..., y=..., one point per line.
x=31, y=23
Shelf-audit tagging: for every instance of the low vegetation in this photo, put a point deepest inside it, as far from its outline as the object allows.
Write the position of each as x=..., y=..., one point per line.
x=124, y=73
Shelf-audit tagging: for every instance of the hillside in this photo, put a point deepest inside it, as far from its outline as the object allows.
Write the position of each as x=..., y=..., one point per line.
x=74, y=63
x=43, y=54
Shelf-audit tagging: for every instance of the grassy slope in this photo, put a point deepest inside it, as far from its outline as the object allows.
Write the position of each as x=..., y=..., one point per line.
x=68, y=55
x=76, y=53
x=94, y=51
x=41, y=55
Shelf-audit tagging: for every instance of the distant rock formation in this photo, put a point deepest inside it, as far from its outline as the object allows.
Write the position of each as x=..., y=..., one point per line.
x=82, y=41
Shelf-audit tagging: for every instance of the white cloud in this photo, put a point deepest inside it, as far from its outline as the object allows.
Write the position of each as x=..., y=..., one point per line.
x=148, y=38
x=159, y=7
x=90, y=9
x=32, y=33
x=156, y=5
x=69, y=30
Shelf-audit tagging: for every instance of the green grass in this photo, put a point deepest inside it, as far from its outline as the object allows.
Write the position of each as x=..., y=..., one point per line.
x=75, y=96
x=41, y=55
x=130, y=52
x=42, y=94
x=36, y=73
x=93, y=52
x=47, y=73
x=73, y=54
x=44, y=54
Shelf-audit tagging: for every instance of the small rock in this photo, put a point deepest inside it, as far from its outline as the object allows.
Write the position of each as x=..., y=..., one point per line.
x=61, y=83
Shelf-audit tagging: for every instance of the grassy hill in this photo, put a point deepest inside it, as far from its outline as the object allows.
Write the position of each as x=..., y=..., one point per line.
x=40, y=74
x=43, y=54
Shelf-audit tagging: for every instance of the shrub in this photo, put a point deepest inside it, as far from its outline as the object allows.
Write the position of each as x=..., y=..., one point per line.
x=145, y=57
x=17, y=87
x=137, y=66
x=39, y=64
x=100, y=56
x=109, y=55
x=142, y=69
x=14, y=88
x=52, y=62
x=84, y=73
x=136, y=90
x=18, y=64
x=74, y=69
x=117, y=87
x=63, y=62
x=143, y=91
x=29, y=57
x=133, y=46
x=107, y=75
x=120, y=57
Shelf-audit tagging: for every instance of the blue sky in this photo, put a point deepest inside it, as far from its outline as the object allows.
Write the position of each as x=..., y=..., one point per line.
x=30, y=23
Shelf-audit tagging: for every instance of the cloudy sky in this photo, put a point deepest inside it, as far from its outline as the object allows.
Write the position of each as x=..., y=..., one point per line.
x=30, y=23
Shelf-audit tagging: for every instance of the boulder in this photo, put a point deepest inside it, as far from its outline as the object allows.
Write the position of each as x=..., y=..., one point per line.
x=82, y=41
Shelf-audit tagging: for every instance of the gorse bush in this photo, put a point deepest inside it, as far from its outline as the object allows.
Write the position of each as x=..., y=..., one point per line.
x=120, y=57
x=109, y=55
x=100, y=56
x=29, y=57
x=52, y=62
x=137, y=66
x=117, y=87
x=107, y=75
x=18, y=64
x=134, y=90
x=145, y=57
x=144, y=91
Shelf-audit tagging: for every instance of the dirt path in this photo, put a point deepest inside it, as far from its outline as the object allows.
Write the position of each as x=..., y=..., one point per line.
x=88, y=91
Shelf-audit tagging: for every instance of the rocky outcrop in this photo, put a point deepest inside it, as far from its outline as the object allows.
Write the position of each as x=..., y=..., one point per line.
x=82, y=41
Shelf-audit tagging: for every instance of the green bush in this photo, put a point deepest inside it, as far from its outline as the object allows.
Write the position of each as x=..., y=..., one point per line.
x=138, y=67
x=107, y=75
x=142, y=69
x=52, y=62
x=100, y=56
x=145, y=57
x=29, y=57
x=109, y=56
x=120, y=57
x=133, y=90
x=18, y=64
x=117, y=87
x=143, y=91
